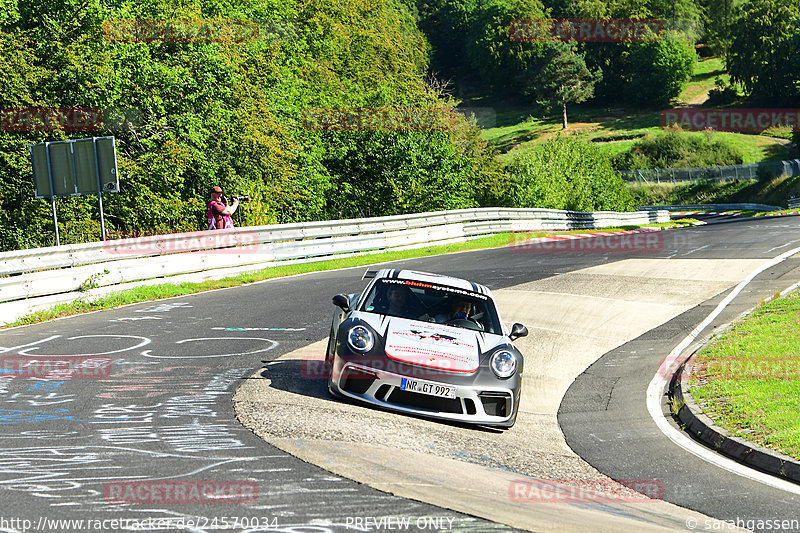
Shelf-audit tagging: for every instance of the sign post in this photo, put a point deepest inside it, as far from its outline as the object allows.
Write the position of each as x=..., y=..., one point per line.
x=75, y=168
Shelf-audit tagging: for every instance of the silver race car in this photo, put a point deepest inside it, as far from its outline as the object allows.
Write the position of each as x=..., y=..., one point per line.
x=427, y=345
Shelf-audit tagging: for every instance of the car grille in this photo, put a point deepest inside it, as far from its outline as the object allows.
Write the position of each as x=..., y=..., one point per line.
x=495, y=403
x=357, y=381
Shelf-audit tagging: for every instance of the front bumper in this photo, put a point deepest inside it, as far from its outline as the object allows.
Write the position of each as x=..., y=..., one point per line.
x=473, y=403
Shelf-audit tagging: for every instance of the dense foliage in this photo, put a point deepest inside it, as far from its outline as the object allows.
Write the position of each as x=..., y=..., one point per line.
x=470, y=43
x=759, y=39
x=675, y=148
x=231, y=113
x=566, y=173
x=765, y=52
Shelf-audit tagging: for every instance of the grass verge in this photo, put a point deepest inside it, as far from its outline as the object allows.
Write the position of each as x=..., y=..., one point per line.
x=772, y=191
x=778, y=213
x=747, y=379
x=167, y=290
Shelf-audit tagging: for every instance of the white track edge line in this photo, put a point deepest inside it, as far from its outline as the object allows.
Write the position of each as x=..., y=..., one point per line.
x=659, y=382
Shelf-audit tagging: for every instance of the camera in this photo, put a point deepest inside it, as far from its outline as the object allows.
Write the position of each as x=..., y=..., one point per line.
x=235, y=197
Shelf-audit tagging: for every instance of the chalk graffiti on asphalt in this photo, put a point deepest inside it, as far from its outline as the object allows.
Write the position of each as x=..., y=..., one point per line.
x=23, y=349
x=226, y=340
x=164, y=308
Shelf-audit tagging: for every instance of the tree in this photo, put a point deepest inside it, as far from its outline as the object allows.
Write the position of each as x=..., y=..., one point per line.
x=230, y=113
x=763, y=51
x=659, y=70
x=718, y=18
x=446, y=24
x=497, y=58
x=561, y=77
x=565, y=172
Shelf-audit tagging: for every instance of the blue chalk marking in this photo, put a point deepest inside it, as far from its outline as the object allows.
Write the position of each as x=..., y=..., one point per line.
x=14, y=416
x=49, y=386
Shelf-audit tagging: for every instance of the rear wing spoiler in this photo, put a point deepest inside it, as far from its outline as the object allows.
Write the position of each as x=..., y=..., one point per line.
x=369, y=274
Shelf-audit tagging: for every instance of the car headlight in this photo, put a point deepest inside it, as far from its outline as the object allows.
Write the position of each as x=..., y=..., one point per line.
x=360, y=339
x=503, y=364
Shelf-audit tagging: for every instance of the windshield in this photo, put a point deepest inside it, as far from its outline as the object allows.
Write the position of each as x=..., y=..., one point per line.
x=433, y=303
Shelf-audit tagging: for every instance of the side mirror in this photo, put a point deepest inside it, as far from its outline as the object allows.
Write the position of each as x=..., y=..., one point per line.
x=517, y=331
x=340, y=300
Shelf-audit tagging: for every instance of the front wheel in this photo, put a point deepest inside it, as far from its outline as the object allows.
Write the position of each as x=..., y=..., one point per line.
x=328, y=366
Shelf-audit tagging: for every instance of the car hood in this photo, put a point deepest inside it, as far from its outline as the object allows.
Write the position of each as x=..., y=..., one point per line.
x=432, y=345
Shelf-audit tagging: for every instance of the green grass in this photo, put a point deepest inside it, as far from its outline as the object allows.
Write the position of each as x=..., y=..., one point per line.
x=705, y=72
x=690, y=192
x=748, y=380
x=618, y=131
x=167, y=290
x=519, y=126
x=781, y=212
x=756, y=148
x=774, y=191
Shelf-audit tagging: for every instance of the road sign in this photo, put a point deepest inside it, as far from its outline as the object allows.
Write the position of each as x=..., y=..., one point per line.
x=74, y=168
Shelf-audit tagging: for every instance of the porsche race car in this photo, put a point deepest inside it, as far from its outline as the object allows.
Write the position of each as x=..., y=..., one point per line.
x=427, y=345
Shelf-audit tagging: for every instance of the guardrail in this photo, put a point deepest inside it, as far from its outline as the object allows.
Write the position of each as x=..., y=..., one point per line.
x=789, y=167
x=794, y=203
x=40, y=278
x=712, y=207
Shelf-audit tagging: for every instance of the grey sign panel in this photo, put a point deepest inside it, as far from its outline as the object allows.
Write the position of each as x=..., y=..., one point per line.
x=41, y=177
x=75, y=167
x=85, y=167
x=62, y=169
x=107, y=159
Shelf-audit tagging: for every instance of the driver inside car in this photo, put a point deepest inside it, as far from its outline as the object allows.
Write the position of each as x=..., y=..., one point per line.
x=459, y=309
x=395, y=300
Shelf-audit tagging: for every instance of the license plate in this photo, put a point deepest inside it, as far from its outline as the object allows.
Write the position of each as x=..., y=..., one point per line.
x=426, y=387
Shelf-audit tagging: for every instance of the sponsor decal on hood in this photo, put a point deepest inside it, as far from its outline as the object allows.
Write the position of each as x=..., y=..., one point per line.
x=432, y=345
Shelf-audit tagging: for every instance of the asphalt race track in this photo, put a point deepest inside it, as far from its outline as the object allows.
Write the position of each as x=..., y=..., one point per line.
x=160, y=416
x=604, y=416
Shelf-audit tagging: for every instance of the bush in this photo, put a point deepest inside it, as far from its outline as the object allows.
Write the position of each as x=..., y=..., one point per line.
x=678, y=149
x=722, y=94
x=567, y=173
x=392, y=173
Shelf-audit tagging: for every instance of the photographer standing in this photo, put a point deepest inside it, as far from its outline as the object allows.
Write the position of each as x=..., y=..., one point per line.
x=219, y=212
